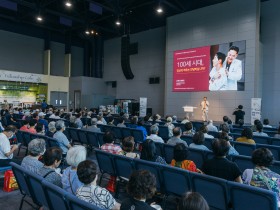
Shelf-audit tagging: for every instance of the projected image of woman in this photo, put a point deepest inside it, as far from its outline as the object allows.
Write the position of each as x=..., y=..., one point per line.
x=218, y=77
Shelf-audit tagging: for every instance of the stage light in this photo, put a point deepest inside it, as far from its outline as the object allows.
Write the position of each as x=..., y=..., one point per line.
x=39, y=18
x=159, y=9
x=118, y=22
x=87, y=32
x=68, y=4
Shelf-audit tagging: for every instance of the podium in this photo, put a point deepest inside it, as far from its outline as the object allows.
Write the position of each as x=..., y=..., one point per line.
x=189, y=111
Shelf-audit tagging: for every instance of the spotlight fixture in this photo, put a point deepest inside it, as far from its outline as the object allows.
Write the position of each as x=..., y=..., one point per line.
x=39, y=18
x=68, y=4
x=87, y=32
x=159, y=9
x=118, y=22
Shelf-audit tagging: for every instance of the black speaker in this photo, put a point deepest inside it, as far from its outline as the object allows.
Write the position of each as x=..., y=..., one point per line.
x=125, y=60
x=114, y=84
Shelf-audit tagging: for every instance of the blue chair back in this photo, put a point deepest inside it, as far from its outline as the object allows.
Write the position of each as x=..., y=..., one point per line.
x=126, y=132
x=274, y=149
x=138, y=135
x=82, y=134
x=243, y=162
x=168, y=151
x=244, y=148
x=175, y=180
x=213, y=189
x=208, y=143
x=159, y=148
x=117, y=131
x=74, y=134
x=53, y=142
x=262, y=139
x=100, y=138
x=55, y=196
x=75, y=203
x=251, y=198
x=105, y=162
x=93, y=139
x=197, y=156
x=214, y=133
x=163, y=132
x=122, y=163
x=275, y=167
x=275, y=141
x=187, y=139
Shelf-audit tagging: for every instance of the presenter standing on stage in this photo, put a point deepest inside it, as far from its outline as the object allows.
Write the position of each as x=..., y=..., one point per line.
x=204, y=107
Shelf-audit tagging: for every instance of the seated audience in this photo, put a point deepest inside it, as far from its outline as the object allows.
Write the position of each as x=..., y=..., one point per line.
x=204, y=130
x=25, y=126
x=6, y=149
x=170, y=126
x=89, y=191
x=224, y=128
x=224, y=135
x=51, y=129
x=185, y=120
x=174, y=119
x=246, y=136
x=261, y=176
x=100, y=114
x=154, y=134
x=141, y=186
x=211, y=127
x=256, y=121
x=1, y=125
x=180, y=155
x=78, y=121
x=193, y=201
x=149, y=152
x=177, y=133
x=44, y=122
x=40, y=129
x=121, y=123
x=146, y=120
x=109, y=145
x=100, y=120
x=188, y=129
x=52, y=159
x=72, y=121
x=70, y=181
x=198, y=141
x=111, y=121
x=32, y=124
x=128, y=147
x=140, y=126
x=220, y=166
x=62, y=140
x=266, y=123
x=227, y=121
x=259, y=132
x=277, y=135
x=36, y=148
x=93, y=127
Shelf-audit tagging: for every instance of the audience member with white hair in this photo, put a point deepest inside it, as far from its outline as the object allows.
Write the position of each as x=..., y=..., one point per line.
x=62, y=140
x=51, y=130
x=36, y=148
x=211, y=127
x=93, y=127
x=70, y=181
x=170, y=126
x=154, y=134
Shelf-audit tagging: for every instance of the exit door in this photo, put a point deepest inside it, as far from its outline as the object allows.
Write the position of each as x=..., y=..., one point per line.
x=58, y=99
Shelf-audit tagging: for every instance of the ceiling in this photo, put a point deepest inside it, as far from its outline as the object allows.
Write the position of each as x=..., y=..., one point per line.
x=98, y=15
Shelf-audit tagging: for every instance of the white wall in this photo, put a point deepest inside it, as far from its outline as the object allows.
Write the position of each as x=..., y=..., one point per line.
x=208, y=26
x=149, y=62
x=270, y=38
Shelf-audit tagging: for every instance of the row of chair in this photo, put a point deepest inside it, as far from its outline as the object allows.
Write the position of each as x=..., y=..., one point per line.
x=199, y=156
x=219, y=193
x=44, y=193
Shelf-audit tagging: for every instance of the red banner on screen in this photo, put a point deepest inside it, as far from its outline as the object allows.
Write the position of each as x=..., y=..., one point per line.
x=191, y=69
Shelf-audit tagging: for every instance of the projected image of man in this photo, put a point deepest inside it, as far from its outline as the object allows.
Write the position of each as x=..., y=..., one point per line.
x=218, y=77
x=233, y=68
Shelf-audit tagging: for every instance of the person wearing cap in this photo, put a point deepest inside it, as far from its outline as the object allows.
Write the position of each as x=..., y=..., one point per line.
x=239, y=114
x=42, y=121
x=93, y=127
x=36, y=148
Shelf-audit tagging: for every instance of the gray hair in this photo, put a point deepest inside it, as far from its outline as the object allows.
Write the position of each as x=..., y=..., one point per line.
x=154, y=129
x=75, y=155
x=52, y=126
x=36, y=147
x=72, y=119
x=59, y=125
x=94, y=121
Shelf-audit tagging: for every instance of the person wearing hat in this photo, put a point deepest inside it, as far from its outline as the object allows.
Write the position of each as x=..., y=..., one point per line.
x=93, y=127
x=239, y=114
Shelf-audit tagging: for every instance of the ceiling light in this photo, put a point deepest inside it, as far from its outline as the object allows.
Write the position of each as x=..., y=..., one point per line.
x=87, y=32
x=159, y=10
x=39, y=18
x=118, y=23
x=68, y=4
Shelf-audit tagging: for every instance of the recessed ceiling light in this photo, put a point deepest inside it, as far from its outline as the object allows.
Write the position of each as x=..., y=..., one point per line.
x=118, y=22
x=159, y=10
x=39, y=18
x=87, y=32
x=68, y=4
